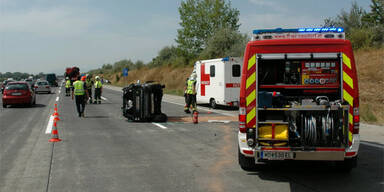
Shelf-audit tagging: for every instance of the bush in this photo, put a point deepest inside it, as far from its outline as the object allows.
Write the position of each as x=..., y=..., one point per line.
x=117, y=78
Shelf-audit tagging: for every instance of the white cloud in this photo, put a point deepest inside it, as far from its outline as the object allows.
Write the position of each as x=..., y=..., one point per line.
x=48, y=22
x=271, y=5
x=258, y=21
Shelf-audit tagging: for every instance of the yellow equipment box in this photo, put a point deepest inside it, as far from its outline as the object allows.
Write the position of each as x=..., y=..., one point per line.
x=273, y=132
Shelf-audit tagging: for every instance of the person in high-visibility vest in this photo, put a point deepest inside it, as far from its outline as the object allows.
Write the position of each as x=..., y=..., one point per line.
x=89, y=84
x=67, y=87
x=191, y=93
x=80, y=93
x=98, y=90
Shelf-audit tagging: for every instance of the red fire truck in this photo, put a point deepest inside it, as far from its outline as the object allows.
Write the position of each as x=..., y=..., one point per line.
x=299, y=98
x=72, y=73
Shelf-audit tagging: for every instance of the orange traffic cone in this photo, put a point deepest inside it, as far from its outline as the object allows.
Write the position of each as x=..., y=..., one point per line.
x=56, y=118
x=55, y=113
x=55, y=133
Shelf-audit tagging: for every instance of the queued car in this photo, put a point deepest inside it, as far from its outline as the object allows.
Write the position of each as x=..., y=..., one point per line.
x=42, y=86
x=18, y=92
x=31, y=82
x=5, y=82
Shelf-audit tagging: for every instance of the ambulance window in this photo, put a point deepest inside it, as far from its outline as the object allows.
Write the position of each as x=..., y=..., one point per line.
x=236, y=70
x=212, y=71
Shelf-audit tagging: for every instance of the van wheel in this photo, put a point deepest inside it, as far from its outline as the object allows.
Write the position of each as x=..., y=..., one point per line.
x=246, y=163
x=212, y=103
x=347, y=165
x=4, y=105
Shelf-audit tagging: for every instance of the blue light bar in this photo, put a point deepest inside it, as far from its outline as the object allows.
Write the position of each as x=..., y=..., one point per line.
x=225, y=59
x=300, y=30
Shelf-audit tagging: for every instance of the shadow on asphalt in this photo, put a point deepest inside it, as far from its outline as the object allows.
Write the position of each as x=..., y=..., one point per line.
x=97, y=116
x=222, y=107
x=38, y=106
x=324, y=176
x=26, y=106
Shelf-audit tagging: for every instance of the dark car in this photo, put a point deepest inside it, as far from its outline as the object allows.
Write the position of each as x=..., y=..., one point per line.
x=5, y=82
x=51, y=78
x=19, y=92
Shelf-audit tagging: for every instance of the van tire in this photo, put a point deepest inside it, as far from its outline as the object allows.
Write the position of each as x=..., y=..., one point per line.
x=4, y=106
x=246, y=163
x=212, y=103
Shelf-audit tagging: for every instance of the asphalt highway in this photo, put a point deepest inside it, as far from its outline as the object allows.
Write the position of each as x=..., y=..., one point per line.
x=105, y=152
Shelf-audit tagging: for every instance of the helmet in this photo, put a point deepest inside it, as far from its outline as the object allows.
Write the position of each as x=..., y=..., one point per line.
x=66, y=78
x=83, y=78
x=193, y=76
x=97, y=77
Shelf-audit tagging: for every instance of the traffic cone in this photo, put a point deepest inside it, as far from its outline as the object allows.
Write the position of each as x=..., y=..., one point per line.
x=55, y=133
x=56, y=118
x=195, y=117
x=56, y=114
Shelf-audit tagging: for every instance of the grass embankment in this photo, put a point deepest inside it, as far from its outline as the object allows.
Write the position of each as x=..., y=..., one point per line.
x=370, y=67
x=172, y=77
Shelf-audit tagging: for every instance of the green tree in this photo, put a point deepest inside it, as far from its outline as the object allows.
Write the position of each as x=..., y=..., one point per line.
x=139, y=64
x=225, y=42
x=376, y=16
x=199, y=21
x=348, y=20
x=169, y=55
x=363, y=29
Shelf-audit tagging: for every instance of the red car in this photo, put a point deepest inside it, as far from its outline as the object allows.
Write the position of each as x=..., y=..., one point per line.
x=18, y=92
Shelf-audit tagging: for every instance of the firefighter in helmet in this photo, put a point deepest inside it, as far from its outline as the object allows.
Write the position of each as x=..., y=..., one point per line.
x=79, y=93
x=89, y=84
x=191, y=93
x=67, y=86
x=98, y=90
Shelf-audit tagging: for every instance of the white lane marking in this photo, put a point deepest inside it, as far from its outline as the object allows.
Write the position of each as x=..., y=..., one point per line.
x=50, y=124
x=215, y=111
x=59, y=91
x=103, y=98
x=164, y=100
x=159, y=125
x=57, y=99
x=372, y=144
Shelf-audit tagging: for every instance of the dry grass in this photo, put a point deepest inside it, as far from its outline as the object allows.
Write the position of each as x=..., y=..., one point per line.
x=370, y=69
x=172, y=78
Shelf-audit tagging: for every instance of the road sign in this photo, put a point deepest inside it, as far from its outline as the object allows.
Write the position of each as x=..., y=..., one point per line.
x=125, y=72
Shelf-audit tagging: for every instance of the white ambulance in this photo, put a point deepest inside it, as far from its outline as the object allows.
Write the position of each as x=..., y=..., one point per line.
x=218, y=81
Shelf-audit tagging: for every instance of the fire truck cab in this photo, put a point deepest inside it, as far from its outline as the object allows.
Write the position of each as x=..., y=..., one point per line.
x=299, y=98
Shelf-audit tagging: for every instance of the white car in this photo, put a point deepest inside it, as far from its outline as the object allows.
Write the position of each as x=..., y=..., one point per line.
x=42, y=86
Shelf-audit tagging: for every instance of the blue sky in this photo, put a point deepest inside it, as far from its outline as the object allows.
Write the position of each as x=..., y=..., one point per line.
x=49, y=35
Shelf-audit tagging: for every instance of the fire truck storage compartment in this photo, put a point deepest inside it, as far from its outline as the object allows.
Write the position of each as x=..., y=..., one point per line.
x=305, y=95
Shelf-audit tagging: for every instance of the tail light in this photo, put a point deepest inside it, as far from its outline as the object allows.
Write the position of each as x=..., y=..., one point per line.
x=36, y=87
x=356, y=120
x=46, y=86
x=6, y=92
x=242, y=115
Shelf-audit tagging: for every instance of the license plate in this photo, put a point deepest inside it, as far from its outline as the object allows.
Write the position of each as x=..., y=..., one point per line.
x=16, y=93
x=277, y=155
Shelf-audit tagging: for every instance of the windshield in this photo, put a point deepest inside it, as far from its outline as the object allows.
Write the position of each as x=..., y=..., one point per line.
x=42, y=83
x=17, y=87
